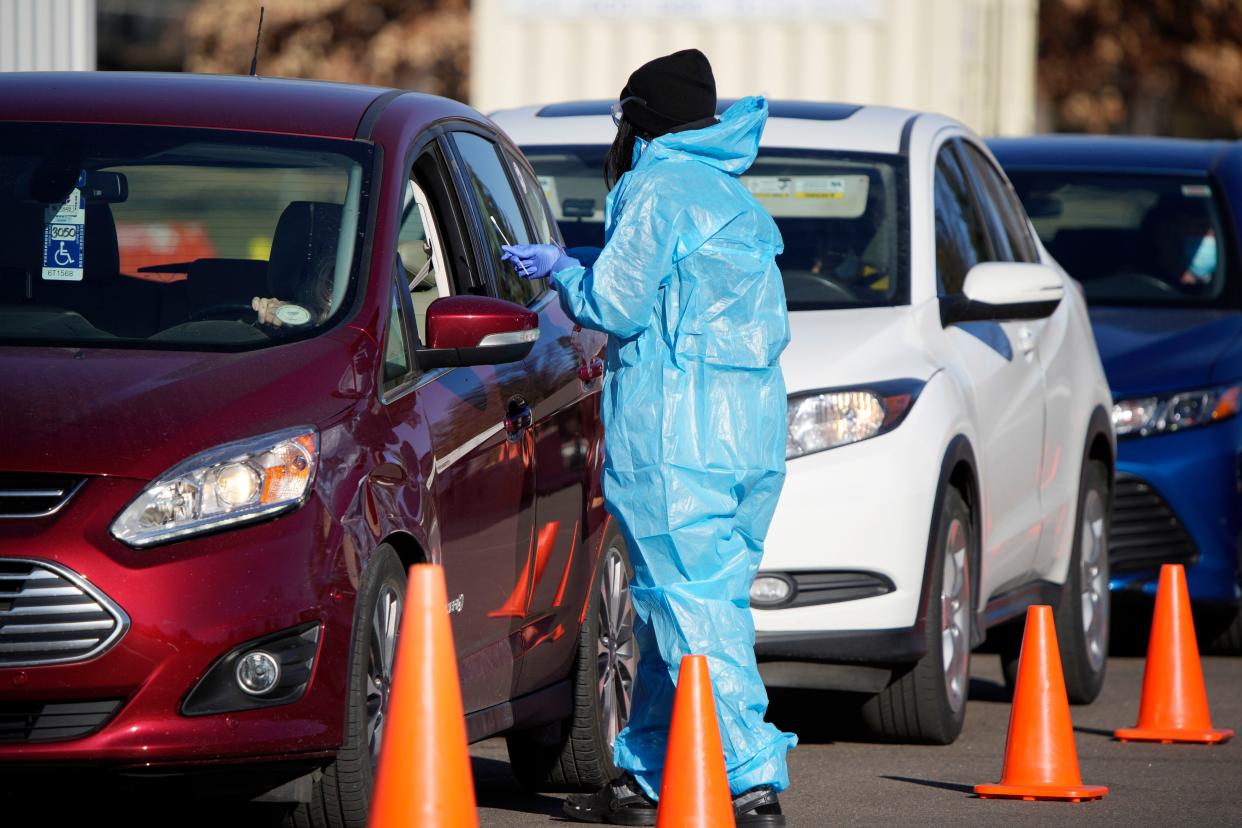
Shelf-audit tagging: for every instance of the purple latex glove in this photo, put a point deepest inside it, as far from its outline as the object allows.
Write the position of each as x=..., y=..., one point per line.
x=535, y=261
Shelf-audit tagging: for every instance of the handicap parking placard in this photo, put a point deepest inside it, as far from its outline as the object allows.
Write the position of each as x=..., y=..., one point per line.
x=64, y=238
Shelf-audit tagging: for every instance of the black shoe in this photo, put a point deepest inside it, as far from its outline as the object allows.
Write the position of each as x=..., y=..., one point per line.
x=621, y=802
x=758, y=806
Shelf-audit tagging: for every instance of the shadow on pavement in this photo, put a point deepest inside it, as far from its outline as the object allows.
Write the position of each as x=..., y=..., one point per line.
x=495, y=787
x=932, y=783
x=986, y=690
x=825, y=716
x=1094, y=731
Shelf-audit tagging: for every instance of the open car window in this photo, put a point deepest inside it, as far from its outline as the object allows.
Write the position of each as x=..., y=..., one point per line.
x=175, y=238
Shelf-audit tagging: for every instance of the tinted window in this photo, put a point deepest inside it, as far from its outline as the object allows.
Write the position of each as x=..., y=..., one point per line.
x=960, y=239
x=536, y=206
x=1001, y=208
x=159, y=237
x=498, y=209
x=1131, y=239
x=841, y=216
x=396, y=360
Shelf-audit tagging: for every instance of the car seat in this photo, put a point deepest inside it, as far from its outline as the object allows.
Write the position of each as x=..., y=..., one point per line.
x=305, y=239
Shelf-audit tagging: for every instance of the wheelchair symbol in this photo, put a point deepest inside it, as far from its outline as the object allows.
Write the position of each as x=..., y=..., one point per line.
x=62, y=256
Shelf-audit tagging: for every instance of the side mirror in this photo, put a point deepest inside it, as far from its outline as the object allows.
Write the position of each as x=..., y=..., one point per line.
x=1002, y=291
x=476, y=330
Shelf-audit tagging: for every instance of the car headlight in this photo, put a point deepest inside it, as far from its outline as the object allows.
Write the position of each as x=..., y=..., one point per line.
x=223, y=486
x=821, y=420
x=1141, y=416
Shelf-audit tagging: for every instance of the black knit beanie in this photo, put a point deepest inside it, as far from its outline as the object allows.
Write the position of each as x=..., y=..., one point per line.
x=679, y=90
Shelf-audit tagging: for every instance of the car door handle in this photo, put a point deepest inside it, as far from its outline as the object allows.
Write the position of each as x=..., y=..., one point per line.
x=518, y=417
x=1027, y=340
x=591, y=370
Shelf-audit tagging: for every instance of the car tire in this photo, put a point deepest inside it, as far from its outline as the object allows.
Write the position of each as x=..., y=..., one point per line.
x=341, y=795
x=576, y=754
x=926, y=702
x=1222, y=638
x=1083, y=613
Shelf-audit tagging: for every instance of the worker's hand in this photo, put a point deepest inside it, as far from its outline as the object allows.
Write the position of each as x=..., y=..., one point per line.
x=535, y=261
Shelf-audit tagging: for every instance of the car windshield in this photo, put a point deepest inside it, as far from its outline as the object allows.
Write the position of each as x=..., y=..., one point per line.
x=174, y=238
x=840, y=215
x=1131, y=239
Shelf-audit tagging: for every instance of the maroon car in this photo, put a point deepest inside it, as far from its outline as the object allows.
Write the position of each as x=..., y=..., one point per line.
x=258, y=355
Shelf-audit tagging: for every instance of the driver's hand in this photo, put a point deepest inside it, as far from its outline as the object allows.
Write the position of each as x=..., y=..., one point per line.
x=266, y=309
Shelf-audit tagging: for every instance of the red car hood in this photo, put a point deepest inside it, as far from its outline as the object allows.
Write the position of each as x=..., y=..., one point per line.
x=135, y=413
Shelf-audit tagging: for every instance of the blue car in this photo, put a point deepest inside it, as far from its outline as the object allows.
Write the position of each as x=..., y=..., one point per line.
x=1150, y=227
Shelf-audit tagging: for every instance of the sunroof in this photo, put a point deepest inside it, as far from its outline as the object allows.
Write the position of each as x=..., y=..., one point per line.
x=805, y=110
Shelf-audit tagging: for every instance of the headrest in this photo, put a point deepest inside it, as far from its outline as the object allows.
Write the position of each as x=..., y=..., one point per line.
x=21, y=236
x=305, y=235
x=103, y=258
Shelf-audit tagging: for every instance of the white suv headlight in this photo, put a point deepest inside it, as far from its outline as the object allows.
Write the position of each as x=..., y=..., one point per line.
x=1141, y=416
x=223, y=486
x=821, y=420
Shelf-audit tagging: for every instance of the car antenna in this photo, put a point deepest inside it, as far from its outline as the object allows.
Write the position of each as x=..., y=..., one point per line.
x=254, y=61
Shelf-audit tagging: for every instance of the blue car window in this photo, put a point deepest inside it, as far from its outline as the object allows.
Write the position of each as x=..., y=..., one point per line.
x=1131, y=239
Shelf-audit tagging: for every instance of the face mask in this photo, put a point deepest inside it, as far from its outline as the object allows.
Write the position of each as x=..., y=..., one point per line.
x=1201, y=254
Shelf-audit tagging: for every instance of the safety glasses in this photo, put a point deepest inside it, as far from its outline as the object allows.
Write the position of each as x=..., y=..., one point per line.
x=616, y=109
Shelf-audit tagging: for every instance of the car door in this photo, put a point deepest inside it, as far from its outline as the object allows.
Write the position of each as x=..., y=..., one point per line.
x=563, y=432
x=1002, y=367
x=1064, y=439
x=567, y=368
x=481, y=478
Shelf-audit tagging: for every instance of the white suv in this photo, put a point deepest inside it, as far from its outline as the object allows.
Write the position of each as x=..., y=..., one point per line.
x=950, y=445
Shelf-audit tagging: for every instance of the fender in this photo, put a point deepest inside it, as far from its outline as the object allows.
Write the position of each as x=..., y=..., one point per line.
x=1099, y=424
x=958, y=451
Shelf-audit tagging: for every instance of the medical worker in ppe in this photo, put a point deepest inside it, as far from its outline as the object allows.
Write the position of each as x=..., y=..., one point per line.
x=694, y=412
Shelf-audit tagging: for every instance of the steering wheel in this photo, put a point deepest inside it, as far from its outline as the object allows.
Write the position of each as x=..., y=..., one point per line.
x=231, y=310
x=831, y=262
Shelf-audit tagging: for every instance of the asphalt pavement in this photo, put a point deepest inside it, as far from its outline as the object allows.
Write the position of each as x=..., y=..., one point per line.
x=840, y=779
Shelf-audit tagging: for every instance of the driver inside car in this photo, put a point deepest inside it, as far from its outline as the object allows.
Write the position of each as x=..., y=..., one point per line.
x=841, y=252
x=311, y=304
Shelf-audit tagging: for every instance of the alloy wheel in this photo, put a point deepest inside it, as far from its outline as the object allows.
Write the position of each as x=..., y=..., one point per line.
x=955, y=616
x=1093, y=546
x=616, y=649
x=382, y=652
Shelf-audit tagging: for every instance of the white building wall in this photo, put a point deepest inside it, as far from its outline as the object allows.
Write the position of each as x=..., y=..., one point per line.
x=971, y=59
x=41, y=35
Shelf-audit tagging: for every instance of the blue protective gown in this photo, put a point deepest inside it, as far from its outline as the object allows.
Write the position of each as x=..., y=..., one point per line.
x=694, y=414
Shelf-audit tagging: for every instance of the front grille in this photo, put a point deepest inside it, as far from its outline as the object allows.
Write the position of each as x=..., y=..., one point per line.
x=1144, y=531
x=24, y=495
x=49, y=615
x=34, y=721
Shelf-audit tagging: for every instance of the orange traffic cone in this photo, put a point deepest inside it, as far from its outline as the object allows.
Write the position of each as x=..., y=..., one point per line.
x=695, y=789
x=424, y=776
x=1174, y=705
x=1040, y=759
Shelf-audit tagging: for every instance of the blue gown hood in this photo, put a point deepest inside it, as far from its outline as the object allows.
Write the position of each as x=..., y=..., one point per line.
x=729, y=145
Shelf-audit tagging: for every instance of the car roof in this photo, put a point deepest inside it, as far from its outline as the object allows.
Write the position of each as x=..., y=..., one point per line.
x=1108, y=152
x=791, y=124
x=258, y=104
